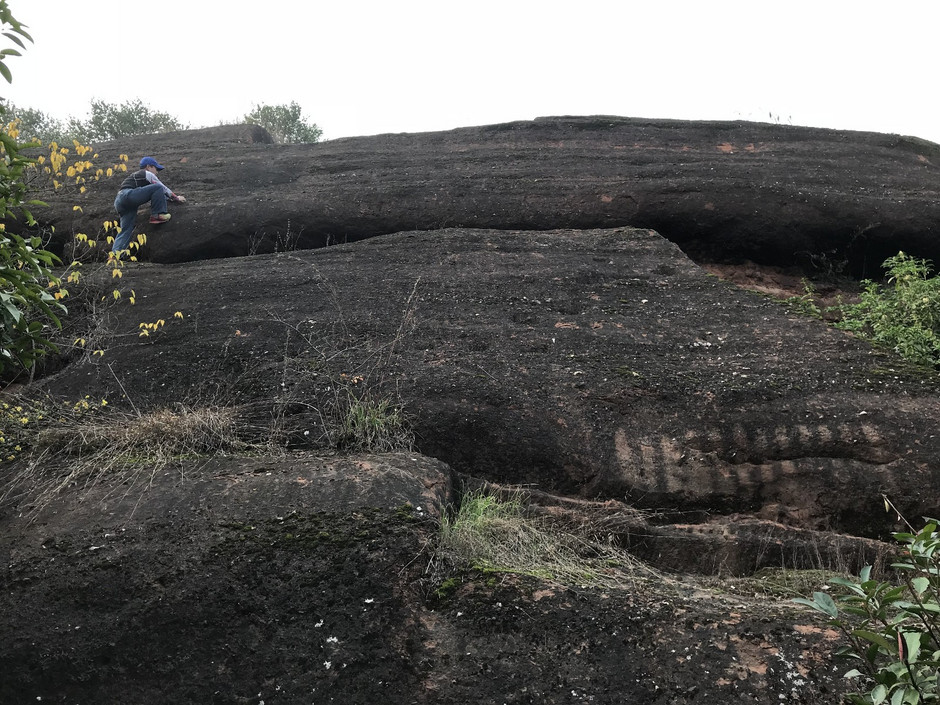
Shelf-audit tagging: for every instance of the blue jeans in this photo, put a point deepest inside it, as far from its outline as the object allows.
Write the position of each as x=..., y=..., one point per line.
x=126, y=204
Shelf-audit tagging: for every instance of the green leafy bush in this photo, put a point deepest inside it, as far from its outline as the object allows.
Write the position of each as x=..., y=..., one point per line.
x=892, y=628
x=285, y=123
x=27, y=307
x=108, y=121
x=903, y=315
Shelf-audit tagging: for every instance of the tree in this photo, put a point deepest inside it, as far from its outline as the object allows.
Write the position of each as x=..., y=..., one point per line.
x=28, y=309
x=109, y=121
x=36, y=125
x=285, y=123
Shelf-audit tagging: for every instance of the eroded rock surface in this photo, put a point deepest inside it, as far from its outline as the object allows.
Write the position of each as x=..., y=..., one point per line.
x=596, y=363
x=775, y=194
x=253, y=581
x=535, y=339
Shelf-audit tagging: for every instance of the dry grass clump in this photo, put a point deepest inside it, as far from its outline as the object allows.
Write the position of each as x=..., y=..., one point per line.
x=163, y=433
x=495, y=534
x=119, y=449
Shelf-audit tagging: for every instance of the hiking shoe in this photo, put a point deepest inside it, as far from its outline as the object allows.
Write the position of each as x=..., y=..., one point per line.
x=160, y=218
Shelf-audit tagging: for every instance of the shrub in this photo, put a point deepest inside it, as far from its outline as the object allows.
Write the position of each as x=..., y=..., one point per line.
x=892, y=628
x=37, y=125
x=27, y=308
x=285, y=123
x=905, y=314
x=111, y=121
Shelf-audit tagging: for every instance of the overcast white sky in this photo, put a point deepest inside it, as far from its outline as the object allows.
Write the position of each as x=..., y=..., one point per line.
x=360, y=67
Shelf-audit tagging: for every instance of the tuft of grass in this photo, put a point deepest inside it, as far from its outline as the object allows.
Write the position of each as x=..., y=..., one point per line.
x=78, y=446
x=373, y=426
x=786, y=582
x=494, y=534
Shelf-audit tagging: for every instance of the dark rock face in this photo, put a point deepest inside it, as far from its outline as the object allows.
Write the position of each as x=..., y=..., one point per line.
x=231, y=590
x=599, y=363
x=535, y=340
x=773, y=194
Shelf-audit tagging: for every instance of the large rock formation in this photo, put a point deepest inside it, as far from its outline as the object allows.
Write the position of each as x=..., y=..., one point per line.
x=600, y=363
x=774, y=194
x=705, y=428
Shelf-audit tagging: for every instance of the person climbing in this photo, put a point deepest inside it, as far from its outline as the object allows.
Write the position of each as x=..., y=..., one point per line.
x=137, y=189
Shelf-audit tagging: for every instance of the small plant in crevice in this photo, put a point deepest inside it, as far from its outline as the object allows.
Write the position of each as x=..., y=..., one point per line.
x=903, y=314
x=891, y=626
x=370, y=425
x=339, y=390
x=805, y=303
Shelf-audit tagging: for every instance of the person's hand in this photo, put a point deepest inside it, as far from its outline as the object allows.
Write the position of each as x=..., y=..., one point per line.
x=181, y=199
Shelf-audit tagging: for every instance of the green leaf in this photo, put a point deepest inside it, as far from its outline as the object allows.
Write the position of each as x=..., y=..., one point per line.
x=920, y=585
x=850, y=584
x=13, y=38
x=912, y=646
x=5, y=71
x=876, y=638
x=879, y=694
x=821, y=602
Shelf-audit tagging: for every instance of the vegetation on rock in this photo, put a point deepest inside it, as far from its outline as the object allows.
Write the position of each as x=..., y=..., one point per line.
x=892, y=628
x=285, y=123
x=28, y=309
x=904, y=315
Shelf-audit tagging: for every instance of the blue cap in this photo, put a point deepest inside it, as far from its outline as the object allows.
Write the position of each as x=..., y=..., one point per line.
x=150, y=161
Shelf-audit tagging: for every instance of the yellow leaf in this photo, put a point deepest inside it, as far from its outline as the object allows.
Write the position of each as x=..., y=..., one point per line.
x=98, y=352
x=144, y=334
x=178, y=314
x=80, y=342
x=116, y=294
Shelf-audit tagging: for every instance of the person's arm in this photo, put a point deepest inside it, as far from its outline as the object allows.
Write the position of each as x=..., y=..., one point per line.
x=152, y=178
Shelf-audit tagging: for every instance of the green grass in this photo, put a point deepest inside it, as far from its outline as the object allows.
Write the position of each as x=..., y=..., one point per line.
x=496, y=534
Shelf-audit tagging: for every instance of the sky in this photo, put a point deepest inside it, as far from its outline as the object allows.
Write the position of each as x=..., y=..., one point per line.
x=363, y=67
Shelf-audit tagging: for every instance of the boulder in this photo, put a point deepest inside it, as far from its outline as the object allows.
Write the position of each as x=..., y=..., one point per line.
x=243, y=584
x=594, y=363
x=725, y=191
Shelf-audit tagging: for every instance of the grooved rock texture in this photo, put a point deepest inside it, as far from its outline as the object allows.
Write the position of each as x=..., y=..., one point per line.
x=775, y=194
